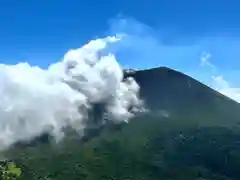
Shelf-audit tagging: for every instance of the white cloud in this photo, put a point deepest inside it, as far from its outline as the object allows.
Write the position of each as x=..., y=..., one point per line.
x=224, y=87
x=205, y=61
x=218, y=82
x=34, y=100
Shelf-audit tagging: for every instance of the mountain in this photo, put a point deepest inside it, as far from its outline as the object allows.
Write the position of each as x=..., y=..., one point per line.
x=190, y=132
x=179, y=95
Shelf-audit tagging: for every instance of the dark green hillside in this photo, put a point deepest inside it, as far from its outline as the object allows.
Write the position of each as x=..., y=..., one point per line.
x=190, y=133
x=145, y=149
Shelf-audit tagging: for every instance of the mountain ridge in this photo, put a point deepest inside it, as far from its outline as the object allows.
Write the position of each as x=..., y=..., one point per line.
x=131, y=71
x=168, y=90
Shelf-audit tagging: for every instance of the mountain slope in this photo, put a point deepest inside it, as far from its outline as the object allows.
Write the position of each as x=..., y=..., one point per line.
x=190, y=133
x=180, y=95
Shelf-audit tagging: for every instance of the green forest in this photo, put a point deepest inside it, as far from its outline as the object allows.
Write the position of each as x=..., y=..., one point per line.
x=143, y=149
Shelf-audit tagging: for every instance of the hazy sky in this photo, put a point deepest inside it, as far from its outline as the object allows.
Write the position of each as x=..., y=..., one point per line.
x=172, y=33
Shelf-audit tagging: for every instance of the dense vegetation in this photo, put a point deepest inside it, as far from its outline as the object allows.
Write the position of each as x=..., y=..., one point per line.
x=9, y=171
x=144, y=149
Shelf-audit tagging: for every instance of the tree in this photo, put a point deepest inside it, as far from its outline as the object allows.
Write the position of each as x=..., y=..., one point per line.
x=9, y=171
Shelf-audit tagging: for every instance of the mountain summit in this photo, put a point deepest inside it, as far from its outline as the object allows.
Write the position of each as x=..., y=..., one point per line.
x=176, y=94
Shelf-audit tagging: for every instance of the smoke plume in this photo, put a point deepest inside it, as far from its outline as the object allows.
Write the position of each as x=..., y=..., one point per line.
x=35, y=100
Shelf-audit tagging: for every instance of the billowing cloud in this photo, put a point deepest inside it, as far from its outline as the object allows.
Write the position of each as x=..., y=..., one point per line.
x=35, y=100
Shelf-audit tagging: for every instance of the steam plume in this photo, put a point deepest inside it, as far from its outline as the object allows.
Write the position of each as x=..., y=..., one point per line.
x=35, y=100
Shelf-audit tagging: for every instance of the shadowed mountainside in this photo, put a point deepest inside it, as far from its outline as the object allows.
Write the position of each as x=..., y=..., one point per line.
x=170, y=91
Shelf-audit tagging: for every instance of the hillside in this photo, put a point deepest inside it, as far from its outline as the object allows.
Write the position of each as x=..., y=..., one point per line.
x=190, y=132
x=170, y=91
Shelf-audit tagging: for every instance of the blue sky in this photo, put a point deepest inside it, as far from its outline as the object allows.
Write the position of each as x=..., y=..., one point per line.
x=180, y=31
